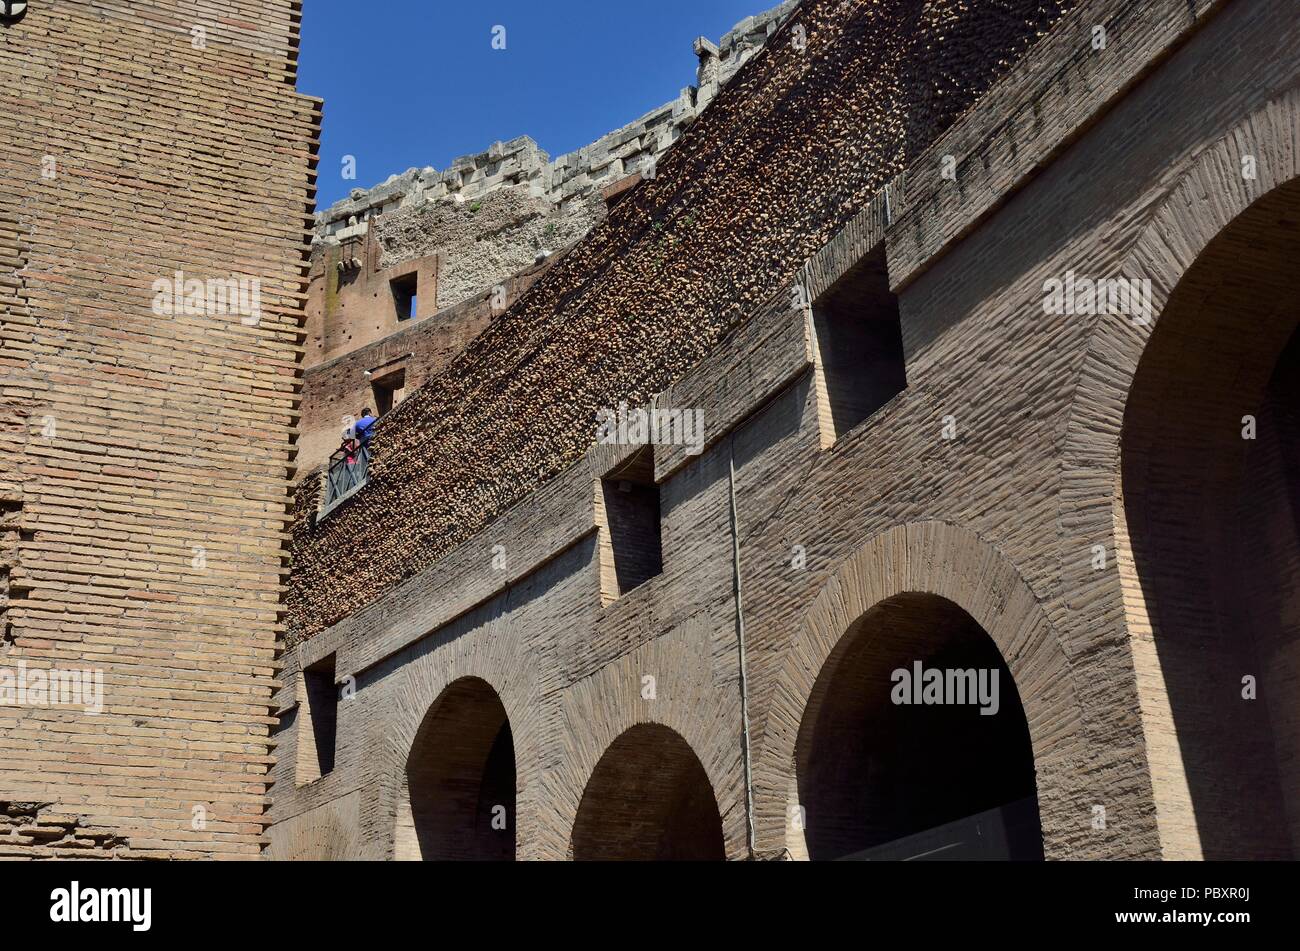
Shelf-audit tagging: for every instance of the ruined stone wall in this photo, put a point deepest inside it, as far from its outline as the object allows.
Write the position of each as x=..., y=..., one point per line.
x=788, y=152
x=142, y=489
x=571, y=178
x=491, y=215
x=458, y=249
x=352, y=300
x=483, y=242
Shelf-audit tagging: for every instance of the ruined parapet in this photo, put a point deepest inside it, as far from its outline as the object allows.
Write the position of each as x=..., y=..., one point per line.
x=484, y=241
x=496, y=213
x=719, y=63
x=516, y=163
x=422, y=257
x=571, y=178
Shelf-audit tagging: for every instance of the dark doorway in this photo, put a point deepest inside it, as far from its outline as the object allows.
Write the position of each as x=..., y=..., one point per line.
x=1210, y=496
x=459, y=793
x=880, y=778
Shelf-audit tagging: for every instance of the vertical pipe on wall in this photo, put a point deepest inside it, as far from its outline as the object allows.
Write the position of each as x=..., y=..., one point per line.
x=740, y=643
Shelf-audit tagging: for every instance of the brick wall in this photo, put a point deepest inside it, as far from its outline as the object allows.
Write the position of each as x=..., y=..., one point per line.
x=351, y=300
x=143, y=489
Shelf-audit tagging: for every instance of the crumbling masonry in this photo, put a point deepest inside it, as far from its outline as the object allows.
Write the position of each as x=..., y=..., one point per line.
x=948, y=549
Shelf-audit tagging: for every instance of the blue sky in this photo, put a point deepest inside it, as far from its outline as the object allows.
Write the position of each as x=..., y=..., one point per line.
x=416, y=82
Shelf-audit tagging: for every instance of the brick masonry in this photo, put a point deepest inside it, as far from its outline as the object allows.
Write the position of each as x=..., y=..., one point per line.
x=142, y=498
x=1003, y=519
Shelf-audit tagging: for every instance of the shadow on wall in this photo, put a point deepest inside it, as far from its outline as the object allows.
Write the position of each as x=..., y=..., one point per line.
x=1211, y=497
x=458, y=795
x=648, y=799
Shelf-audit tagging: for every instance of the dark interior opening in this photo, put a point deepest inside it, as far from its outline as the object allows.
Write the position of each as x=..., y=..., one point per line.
x=405, y=295
x=877, y=774
x=632, y=511
x=859, y=343
x=322, y=711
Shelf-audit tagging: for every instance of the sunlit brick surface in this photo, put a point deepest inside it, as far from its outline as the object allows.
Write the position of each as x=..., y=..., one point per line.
x=803, y=137
x=145, y=455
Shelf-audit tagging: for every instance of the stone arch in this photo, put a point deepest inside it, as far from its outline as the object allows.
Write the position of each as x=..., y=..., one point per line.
x=682, y=681
x=648, y=799
x=914, y=562
x=1211, y=199
x=882, y=773
x=1212, y=560
x=457, y=796
x=401, y=690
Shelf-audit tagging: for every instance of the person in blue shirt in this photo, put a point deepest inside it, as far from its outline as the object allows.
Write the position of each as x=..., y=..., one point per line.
x=360, y=435
x=365, y=426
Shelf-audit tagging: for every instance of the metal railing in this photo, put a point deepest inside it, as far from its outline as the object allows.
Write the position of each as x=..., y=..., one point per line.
x=348, y=471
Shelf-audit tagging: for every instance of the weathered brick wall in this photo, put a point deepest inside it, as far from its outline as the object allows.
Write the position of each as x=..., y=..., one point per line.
x=788, y=152
x=145, y=454
x=351, y=301
x=478, y=243
x=488, y=216
x=13, y=407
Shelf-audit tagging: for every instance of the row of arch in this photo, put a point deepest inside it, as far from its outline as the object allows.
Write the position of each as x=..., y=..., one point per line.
x=1207, y=523
x=862, y=786
x=649, y=797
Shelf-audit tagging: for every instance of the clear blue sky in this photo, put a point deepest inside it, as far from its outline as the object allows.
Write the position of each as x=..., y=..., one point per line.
x=409, y=83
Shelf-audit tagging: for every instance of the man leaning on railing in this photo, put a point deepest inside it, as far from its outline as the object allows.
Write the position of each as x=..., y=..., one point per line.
x=360, y=435
x=350, y=464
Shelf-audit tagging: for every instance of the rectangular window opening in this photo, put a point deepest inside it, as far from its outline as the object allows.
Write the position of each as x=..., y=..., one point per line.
x=317, y=721
x=631, y=548
x=860, y=360
x=405, y=295
x=389, y=391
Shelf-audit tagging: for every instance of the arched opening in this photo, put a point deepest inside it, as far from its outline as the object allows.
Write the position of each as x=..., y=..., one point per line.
x=1210, y=501
x=649, y=799
x=458, y=794
x=914, y=744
